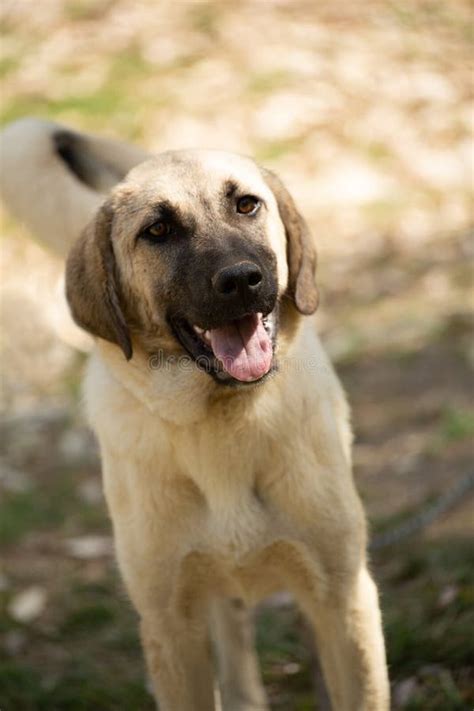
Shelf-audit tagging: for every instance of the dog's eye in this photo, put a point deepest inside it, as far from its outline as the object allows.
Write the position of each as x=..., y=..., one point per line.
x=248, y=205
x=158, y=231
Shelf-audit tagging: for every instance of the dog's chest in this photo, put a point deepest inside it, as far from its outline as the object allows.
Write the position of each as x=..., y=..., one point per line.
x=245, y=552
x=227, y=466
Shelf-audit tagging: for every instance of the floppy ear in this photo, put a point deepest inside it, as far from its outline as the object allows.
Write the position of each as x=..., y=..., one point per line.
x=301, y=252
x=92, y=287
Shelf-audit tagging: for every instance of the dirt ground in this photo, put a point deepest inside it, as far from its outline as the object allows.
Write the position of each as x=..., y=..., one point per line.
x=365, y=110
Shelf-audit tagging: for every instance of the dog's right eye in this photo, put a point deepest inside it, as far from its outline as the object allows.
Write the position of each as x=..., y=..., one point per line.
x=157, y=232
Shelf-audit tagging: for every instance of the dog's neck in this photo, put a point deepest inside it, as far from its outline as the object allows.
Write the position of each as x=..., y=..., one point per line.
x=170, y=385
x=176, y=391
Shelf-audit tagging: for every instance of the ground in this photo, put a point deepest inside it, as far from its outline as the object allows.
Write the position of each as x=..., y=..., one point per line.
x=364, y=109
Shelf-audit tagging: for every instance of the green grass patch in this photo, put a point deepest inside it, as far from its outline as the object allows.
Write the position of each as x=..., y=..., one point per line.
x=384, y=211
x=21, y=106
x=264, y=83
x=425, y=638
x=88, y=618
x=82, y=686
x=8, y=65
x=113, y=99
x=26, y=511
x=49, y=507
x=269, y=151
x=128, y=65
x=20, y=687
x=457, y=424
x=285, y=658
x=277, y=635
x=104, y=103
x=86, y=10
x=100, y=609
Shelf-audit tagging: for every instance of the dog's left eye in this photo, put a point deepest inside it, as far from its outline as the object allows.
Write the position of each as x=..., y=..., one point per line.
x=248, y=205
x=158, y=231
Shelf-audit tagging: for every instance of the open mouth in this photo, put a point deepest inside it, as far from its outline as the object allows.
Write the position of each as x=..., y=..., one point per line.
x=239, y=351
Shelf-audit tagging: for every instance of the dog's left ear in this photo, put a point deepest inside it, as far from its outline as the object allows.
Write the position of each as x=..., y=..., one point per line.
x=301, y=252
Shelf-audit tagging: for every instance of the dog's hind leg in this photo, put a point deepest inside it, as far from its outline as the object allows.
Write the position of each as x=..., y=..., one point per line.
x=238, y=672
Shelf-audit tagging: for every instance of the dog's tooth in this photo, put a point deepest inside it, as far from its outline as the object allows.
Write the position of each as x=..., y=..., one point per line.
x=198, y=330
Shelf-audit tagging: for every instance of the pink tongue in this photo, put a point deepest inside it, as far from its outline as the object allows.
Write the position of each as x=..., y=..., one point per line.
x=243, y=347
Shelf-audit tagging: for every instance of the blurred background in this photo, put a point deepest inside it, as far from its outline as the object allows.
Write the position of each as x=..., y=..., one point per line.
x=364, y=109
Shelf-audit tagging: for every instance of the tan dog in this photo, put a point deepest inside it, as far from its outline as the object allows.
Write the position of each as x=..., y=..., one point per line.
x=223, y=428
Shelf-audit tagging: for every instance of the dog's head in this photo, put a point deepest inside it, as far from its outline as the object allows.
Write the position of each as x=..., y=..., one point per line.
x=195, y=250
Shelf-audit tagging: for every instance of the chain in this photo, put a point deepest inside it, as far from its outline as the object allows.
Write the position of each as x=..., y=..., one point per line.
x=426, y=515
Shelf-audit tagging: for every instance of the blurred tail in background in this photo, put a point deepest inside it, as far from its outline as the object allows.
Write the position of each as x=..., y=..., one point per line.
x=53, y=178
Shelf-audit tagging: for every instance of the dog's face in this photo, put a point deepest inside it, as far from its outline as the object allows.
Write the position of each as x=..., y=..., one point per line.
x=195, y=250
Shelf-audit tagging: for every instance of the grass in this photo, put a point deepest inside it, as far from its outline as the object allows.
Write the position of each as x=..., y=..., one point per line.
x=88, y=618
x=8, y=65
x=27, y=511
x=457, y=424
x=113, y=101
x=81, y=687
x=285, y=659
x=105, y=102
x=265, y=83
x=426, y=638
x=86, y=654
x=268, y=151
x=46, y=508
x=84, y=10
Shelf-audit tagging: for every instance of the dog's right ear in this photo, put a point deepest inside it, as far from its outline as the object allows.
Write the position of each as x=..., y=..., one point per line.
x=92, y=285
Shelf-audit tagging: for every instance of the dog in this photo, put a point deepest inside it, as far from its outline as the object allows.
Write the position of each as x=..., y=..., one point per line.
x=223, y=429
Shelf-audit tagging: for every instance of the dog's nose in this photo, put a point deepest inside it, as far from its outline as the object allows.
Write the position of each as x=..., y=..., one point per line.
x=244, y=279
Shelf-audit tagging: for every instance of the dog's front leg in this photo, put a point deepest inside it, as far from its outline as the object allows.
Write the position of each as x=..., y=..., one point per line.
x=325, y=568
x=168, y=589
x=351, y=648
x=173, y=625
x=178, y=661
